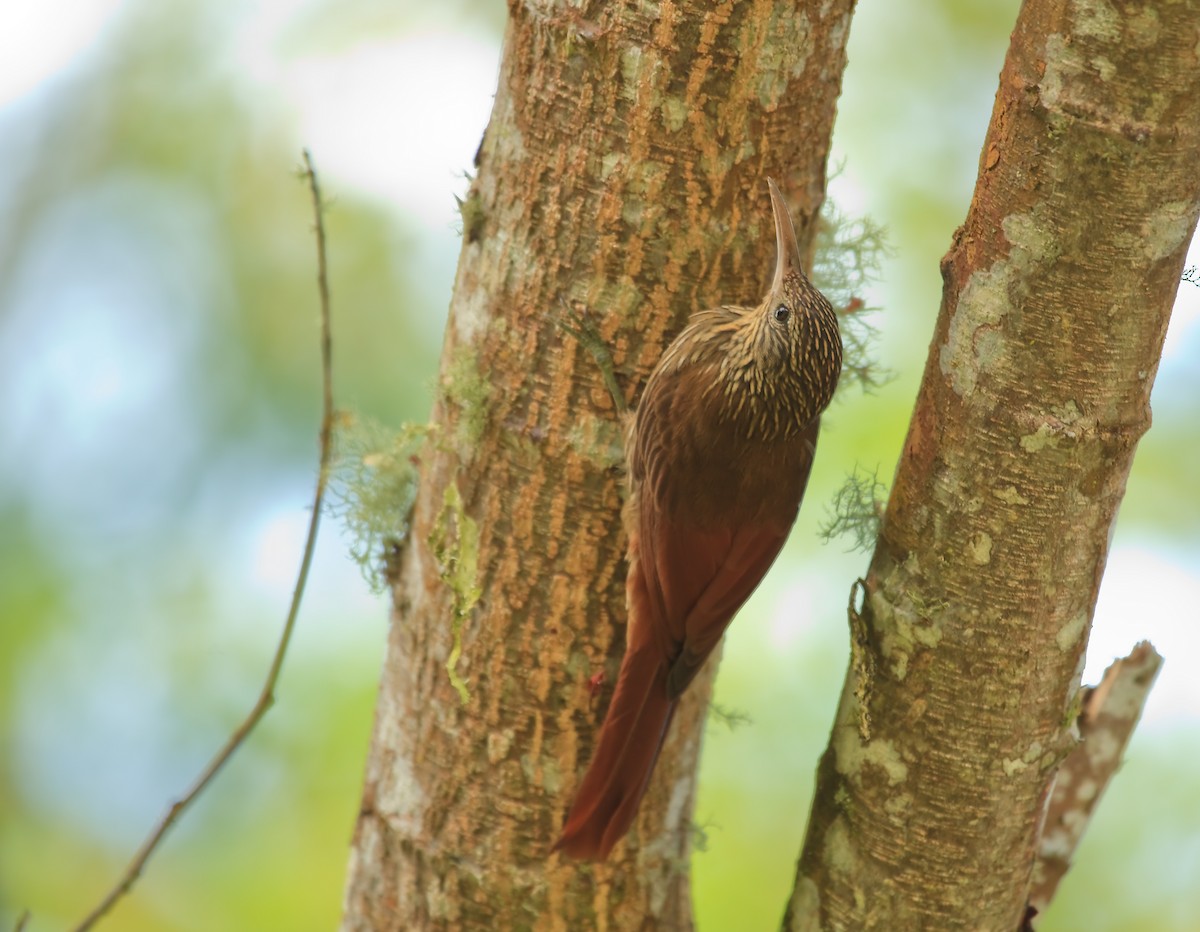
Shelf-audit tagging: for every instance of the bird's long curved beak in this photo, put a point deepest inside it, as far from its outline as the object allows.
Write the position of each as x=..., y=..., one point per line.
x=787, y=255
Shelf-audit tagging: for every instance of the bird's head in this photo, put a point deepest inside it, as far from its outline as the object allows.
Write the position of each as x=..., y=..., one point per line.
x=791, y=350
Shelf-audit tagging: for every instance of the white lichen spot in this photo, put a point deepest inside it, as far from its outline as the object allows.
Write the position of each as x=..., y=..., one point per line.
x=1068, y=413
x=1070, y=633
x=1103, y=747
x=805, y=906
x=983, y=302
x=783, y=53
x=1075, y=821
x=1104, y=67
x=838, y=32
x=498, y=743
x=631, y=70
x=1166, y=230
x=1032, y=239
x=552, y=781
x=439, y=902
x=610, y=162
x=470, y=314
x=929, y=635
x=509, y=141
x=975, y=340
x=399, y=799
x=838, y=851
x=1043, y=437
x=981, y=548
x=1010, y=496
x=1143, y=28
x=1063, y=64
x=674, y=114
x=853, y=755
x=632, y=211
x=681, y=793
x=1097, y=19
x=1013, y=765
x=898, y=805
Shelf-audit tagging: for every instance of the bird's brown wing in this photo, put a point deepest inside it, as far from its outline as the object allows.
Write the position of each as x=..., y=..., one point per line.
x=701, y=578
x=697, y=575
x=748, y=556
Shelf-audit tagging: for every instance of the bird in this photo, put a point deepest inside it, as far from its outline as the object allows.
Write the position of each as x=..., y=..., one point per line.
x=718, y=454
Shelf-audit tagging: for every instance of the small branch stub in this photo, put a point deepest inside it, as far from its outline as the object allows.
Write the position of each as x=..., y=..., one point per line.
x=1109, y=713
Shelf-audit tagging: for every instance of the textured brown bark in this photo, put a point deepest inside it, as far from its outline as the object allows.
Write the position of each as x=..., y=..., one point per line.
x=963, y=687
x=623, y=170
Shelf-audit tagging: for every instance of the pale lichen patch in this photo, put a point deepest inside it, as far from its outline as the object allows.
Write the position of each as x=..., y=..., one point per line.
x=839, y=853
x=854, y=754
x=781, y=62
x=1143, y=27
x=1104, y=67
x=1063, y=64
x=1104, y=746
x=905, y=624
x=1097, y=19
x=898, y=805
x=631, y=67
x=401, y=798
x=1010, y=496
x=975, y=341
x=1070, y=633
x=674, y=113
x=804, y=910
x=498, y=744
x=1044, y=436
x=983, y=302
x=1068, y=413
x=1032, y=239
x=470, y=313
x=981, y=548
x=1167, y=229
x=610, y=162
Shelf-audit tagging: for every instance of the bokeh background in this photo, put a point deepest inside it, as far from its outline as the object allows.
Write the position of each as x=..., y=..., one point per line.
x=159, y=396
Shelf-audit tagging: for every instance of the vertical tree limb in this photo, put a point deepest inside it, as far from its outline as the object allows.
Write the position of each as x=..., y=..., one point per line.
x=623, y=171
x=959, y=704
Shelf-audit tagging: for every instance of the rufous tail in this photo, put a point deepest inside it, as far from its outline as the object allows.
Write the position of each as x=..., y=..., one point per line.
x=626, y=752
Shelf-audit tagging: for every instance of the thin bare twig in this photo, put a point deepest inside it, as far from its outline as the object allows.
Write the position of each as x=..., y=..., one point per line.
x=267, y=697
x=1109, y=713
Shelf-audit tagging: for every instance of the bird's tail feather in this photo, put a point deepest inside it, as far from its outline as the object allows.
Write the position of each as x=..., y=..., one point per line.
x=626, y=752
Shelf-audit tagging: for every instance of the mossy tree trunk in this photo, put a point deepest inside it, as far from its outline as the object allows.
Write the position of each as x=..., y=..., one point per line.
x=623, y=171
x=970, y=636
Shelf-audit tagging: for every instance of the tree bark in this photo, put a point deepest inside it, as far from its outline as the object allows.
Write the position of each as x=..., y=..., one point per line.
x=623, y=171
x=969, y=640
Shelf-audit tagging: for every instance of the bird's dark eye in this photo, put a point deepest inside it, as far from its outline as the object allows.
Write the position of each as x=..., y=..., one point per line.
x=782, y=313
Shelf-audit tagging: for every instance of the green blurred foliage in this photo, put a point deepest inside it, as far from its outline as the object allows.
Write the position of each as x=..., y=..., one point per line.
x=156, y=239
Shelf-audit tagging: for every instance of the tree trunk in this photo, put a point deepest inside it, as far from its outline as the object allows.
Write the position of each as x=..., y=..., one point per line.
x=623, y=171
x=969, y=639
